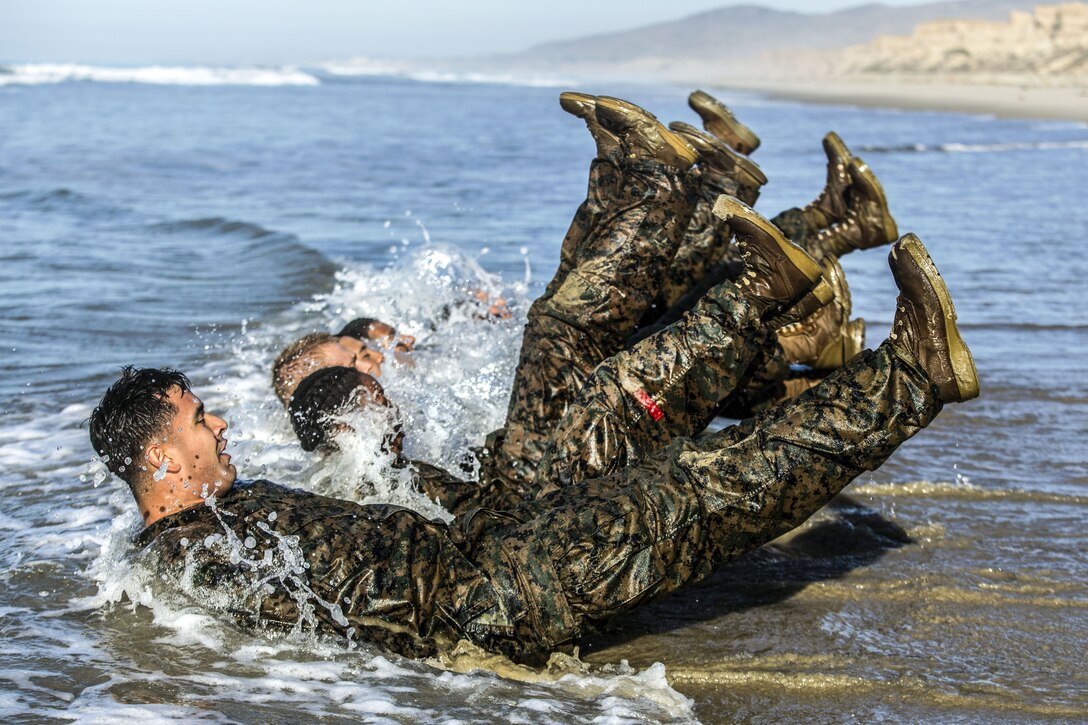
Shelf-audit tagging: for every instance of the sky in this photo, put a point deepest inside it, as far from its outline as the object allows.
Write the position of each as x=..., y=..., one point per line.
x=233, y=32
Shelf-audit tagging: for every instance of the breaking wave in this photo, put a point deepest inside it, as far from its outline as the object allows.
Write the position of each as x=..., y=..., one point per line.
x=978, y=148
x=964, y=489
x=39, y=73
x=371, y=69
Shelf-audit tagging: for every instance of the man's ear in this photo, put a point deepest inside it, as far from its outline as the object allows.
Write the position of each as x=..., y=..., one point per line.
x=157, y=455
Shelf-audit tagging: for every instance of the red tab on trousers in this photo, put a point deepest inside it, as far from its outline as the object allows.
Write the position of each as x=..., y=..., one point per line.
x=648, y=403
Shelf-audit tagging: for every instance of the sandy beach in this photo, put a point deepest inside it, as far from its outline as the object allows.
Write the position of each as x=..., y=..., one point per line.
x=1001, y=100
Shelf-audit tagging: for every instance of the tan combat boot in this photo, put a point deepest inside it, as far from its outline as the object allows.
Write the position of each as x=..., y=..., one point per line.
x=925, y=323
x=720, y=121
x=830, y=206
x=796, y=386
x=584, y=106
x=868, y=222
x=825, y=339
x=641, y=135
x=714, y=152
x=777, y=272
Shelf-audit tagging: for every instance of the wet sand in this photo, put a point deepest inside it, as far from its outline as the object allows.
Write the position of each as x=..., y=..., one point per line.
x=1005, y=100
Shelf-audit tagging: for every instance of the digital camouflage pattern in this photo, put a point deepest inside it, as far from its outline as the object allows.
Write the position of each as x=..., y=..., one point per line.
x=535, y=578
x=706, y=239
x=621, y=240
x=627, y=252
x=667, y=385
x=627, y=505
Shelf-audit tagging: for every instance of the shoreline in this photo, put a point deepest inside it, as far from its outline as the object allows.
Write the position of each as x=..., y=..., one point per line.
x=1066, y=103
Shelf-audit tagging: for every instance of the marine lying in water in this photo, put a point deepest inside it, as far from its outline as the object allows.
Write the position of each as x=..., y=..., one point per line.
x=665, y=510
x=849, y=213
x=362, y=344
x=615, y=259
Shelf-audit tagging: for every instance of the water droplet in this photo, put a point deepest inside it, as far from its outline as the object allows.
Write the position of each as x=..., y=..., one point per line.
x=250, y=542
x=160, y=473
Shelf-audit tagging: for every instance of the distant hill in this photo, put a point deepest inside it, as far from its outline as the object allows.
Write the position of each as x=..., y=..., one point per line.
x=742, y=34
x=1049, y=43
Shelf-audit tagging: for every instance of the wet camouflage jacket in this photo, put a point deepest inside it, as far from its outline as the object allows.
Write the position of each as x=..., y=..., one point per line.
x=288, y=559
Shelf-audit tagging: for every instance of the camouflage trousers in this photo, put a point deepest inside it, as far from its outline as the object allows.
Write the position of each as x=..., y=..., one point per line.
x=643, y=236
x=582, y=553
x=705, y=241
x=667, y=385
x=706, y=254
x=611, y=263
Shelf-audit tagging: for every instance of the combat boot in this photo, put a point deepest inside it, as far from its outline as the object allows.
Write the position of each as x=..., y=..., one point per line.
x=925, y=323
x=868, y=222
x=795, y=386
x=830, y=206
x=825, y=339
x=641, y=135
x=584, y=106
x=714, y=153
x=777, y=272
x=720, y=121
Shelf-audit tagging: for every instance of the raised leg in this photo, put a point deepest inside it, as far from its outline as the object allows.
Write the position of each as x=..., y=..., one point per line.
x=588, y=552
x=611, y=272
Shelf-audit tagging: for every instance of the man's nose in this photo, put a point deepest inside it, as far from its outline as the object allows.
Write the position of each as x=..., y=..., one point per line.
x=219, y=425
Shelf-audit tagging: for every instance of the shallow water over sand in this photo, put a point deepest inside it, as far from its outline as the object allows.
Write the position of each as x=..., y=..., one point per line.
x=204, y=227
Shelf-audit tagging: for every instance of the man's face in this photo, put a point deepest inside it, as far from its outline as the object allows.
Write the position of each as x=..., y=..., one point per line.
x=373, y=394
x=384, y=336
x=349, y=352
x=195, y=442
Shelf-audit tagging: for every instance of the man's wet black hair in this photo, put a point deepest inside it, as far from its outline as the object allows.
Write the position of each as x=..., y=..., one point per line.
x=359, y=328
x=326, y=393
x=134, y=410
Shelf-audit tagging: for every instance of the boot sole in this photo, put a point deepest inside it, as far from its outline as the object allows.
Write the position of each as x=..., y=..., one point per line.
x=727, y=207
x=836, y=149
x=836, y=277
x=963, y=364
x=702, y=102
x=891, y=229
x=747, y=171
x=577, y=104
x=683, y=150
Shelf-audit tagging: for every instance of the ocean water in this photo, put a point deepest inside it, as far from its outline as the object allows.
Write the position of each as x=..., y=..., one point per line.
x=201, y=218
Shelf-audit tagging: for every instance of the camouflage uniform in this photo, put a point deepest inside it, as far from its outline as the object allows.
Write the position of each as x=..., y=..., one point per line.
x=538, y=577
x=630, y=507
x=706, y=256
x=706, y=239
x=611, y=264
x=644, y=233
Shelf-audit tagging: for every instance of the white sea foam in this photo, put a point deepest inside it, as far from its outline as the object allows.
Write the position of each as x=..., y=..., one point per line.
x=965, y=148
x=462, y=363
x=368, y=67
x=981, y=148
x=39, y=73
